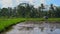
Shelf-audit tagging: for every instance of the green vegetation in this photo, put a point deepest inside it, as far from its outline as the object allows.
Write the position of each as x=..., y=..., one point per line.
x=54, y=19
x=26, y=10
x=5, y=23
x=42, y=19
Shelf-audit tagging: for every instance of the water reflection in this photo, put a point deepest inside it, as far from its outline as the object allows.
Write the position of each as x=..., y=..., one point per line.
x=42, y=28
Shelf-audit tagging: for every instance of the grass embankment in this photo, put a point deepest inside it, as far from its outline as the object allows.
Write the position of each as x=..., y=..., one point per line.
x=42, y=19
x=54, y=19
x=5, y=22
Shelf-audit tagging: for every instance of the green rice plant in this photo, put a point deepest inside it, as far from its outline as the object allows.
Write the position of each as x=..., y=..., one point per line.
x=8, y=22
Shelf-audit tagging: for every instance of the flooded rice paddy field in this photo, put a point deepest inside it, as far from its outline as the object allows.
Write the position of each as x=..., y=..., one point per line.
x=34, y=27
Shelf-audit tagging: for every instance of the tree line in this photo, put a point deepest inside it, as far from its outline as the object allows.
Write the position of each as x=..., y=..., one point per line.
x=26, y=10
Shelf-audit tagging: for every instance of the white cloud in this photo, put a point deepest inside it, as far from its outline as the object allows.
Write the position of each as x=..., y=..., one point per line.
x=17, y=2
x=6, y=3
x=31, y=1
x=34, y=2
x=11, y=3
x=42, y=1
x=20, y=1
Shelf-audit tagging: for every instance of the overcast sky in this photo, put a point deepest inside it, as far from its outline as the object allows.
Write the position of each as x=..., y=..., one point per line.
x=36, y=3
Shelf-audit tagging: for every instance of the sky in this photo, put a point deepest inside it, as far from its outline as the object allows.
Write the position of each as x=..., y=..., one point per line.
x=36, y=3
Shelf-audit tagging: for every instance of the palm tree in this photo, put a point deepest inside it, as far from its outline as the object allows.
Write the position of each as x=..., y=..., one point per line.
x=52, y=10
x=52, y=7
x=42, y=7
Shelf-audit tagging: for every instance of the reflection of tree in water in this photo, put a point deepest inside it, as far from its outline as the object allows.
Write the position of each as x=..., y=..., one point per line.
x=29, y=28
x=53, y=28
x=42, y=28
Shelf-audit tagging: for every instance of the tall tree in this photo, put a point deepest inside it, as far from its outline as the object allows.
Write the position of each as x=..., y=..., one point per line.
x=10, y=13
x=52, y=10
x=42, y=7
x=4, y=11
x=57, y=12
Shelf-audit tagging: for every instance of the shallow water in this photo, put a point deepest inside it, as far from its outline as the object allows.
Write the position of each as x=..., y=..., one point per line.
x=35, y=28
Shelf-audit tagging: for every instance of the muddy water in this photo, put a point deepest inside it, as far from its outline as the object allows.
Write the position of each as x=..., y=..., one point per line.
x=35, y=28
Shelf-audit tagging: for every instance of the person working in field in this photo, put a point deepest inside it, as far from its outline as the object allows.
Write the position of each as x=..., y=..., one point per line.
x=45, y=17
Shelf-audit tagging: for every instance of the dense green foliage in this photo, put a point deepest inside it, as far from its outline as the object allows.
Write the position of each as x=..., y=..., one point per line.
x=26, y=10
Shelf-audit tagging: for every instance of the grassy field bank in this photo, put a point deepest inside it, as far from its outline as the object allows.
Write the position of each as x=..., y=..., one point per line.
x=42, y=19
x=6, y=22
